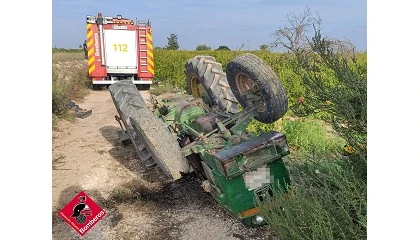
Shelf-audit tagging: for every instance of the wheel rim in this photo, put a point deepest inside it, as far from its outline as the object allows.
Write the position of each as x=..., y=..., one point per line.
x=198, y=90
x=245, y=84
x=250, y=91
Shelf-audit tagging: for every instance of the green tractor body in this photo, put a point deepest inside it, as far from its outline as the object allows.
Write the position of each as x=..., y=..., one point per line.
x=207, y=131
x=238, y=167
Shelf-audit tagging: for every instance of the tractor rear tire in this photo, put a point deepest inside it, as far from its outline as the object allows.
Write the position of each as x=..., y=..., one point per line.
x=206, y=79
x=150, y=136
x=254, y=83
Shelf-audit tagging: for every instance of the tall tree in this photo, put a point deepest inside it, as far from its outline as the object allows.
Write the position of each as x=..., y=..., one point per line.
x=172, y=42
x=292, y=37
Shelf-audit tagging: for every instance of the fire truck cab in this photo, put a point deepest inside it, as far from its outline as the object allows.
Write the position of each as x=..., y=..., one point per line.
x=119, y=49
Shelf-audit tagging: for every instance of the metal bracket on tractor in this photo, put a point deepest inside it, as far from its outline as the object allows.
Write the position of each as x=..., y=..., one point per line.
x=123, y=134
x=207, y=131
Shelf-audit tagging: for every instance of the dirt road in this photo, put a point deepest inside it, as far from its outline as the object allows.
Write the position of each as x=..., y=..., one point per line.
x=87, y=156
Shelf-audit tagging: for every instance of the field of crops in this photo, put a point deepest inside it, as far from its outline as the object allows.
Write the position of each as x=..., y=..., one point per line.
x=169, y=67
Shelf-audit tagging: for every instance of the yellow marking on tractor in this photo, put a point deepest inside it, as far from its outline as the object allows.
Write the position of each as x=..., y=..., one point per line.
x=249, y=212
x=90, y=42
x=88, y=25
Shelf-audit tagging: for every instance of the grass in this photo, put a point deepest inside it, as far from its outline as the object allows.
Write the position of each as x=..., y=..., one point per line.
x=311, y=136
x=327, y=200
x=67, y=57
x=161, y=88
x=304, y=135
x=121, y=194
x=69, y=82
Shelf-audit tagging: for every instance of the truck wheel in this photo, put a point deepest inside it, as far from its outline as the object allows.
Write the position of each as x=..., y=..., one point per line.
x=141, y=87
x=150, y=136
x=206, y=79
x=254, y=83
x=96, y=87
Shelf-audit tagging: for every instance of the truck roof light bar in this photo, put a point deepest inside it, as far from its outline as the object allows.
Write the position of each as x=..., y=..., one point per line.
x=90, y=19
x=108, y=20
x=141, y=22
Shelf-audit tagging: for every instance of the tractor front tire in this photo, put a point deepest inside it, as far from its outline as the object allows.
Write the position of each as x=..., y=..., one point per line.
x=150, y=136
x=254, y=83
x=205, y=78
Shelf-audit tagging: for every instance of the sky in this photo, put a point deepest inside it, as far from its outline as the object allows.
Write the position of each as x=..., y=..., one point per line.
x=235, y=23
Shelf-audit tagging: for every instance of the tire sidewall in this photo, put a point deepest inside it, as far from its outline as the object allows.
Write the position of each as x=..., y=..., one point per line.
x=272, y=91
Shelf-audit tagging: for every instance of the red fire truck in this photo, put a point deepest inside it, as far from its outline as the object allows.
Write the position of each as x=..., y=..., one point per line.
x=119, y=49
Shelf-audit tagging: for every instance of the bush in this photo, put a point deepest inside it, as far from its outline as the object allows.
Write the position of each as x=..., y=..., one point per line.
x=335, y=85
x=59, y=99
x=327, y=200
x=69, y=81
x=202, y=47
x=59, y=88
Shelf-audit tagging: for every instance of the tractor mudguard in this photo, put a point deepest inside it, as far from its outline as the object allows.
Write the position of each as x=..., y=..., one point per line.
x=252, y=153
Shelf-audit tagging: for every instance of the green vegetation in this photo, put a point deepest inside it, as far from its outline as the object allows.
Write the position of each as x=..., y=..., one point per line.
x=69, y=82
x=202, y=47
x=67, y=50
x=327, y=109
x=327, y=201
x=311, y=136
x=264, y=47
x=327, y=99
x=172, y=42
x=223, y=47
x=161, y=88
x=59, y=56
x=326, y=81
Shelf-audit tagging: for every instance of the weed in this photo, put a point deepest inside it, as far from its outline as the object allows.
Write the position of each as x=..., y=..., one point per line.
x=120, y=194
x=69, y=81
x=327, y=200
x=161, y=88
x=310, y=136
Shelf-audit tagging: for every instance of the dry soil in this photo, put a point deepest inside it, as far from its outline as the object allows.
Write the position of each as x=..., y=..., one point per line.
x=88, y=156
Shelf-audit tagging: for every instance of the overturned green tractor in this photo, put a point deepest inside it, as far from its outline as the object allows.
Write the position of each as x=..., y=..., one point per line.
x=206, y=131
